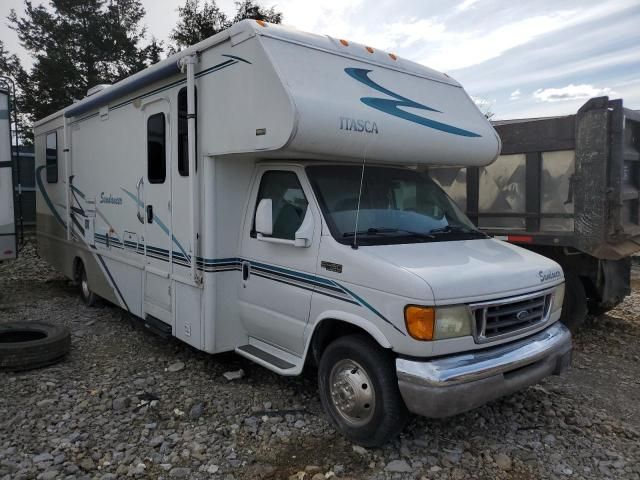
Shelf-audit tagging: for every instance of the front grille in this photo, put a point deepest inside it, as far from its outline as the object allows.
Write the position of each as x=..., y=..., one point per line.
x=512, y=316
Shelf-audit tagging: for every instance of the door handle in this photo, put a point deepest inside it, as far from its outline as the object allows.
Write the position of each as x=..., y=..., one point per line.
x=138, y=187
x=246, y=266
x=149, y=213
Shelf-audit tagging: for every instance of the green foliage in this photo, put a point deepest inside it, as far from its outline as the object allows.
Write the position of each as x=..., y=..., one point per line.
x=198, y=22
x=76, y=44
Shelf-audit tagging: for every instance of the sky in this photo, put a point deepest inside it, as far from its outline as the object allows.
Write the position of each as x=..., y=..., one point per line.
x=517, y=59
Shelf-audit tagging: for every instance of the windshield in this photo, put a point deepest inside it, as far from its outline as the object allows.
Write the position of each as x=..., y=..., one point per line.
x=397, y=206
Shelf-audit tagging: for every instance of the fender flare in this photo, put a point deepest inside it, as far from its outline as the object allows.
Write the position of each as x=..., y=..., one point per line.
x=352, y=319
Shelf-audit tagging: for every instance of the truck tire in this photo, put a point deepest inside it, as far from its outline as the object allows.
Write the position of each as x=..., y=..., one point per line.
x=359, y=390
x=28, y=345
x=574, y=308
x=88, y=297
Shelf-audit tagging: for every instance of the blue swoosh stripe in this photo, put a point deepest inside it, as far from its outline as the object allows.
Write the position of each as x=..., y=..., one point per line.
x=392, y=107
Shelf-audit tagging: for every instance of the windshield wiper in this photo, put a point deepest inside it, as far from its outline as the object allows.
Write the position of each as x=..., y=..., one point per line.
x=456, y=229
x=382, y=231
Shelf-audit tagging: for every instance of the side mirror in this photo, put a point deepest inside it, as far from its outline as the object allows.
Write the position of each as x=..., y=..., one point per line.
x=304, y=235
x=264, y=217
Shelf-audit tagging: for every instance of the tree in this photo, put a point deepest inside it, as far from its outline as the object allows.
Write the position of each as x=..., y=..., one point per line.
x=197, y=23
x=77, y=44
x=153, y=51
x=249, y=9
x=11, y=67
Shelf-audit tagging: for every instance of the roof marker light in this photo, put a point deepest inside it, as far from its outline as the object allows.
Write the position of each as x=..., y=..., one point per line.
x=393, y=56
x=369, y=49
x=344, y=42
x=262, y=23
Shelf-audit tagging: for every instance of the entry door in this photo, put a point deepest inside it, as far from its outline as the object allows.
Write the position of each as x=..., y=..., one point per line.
x=157, y=207
x=275, y=295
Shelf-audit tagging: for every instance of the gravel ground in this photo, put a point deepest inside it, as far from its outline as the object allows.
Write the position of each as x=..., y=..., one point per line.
x=126, y=403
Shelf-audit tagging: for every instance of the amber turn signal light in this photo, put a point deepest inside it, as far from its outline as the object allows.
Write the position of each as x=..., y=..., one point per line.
x=420, y=321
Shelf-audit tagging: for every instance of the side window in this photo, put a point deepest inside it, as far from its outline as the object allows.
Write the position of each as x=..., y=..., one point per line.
x=52, y=157
x=183, y=137
x=156, y=149
x=287, y=199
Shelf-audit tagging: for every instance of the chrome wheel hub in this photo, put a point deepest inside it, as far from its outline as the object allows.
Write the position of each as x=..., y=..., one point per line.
x=351, y=392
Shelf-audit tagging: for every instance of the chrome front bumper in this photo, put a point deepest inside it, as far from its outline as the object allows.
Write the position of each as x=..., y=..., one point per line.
x=454, y=384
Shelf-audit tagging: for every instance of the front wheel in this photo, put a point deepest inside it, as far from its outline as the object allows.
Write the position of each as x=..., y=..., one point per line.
x=359, y=390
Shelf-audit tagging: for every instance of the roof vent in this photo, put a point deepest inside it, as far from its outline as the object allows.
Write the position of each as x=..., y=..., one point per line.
x=97, y=88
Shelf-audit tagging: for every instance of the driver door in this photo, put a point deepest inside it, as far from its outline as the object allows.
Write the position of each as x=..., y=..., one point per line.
x=275, y=294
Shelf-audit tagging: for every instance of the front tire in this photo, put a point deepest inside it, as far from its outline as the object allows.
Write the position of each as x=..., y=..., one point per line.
x=359, y=390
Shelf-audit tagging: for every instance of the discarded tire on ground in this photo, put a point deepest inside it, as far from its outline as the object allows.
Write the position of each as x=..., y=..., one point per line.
x=28, y=345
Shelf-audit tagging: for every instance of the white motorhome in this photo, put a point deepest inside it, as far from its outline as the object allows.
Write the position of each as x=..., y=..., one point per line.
x=8, y=245
x=259, y=192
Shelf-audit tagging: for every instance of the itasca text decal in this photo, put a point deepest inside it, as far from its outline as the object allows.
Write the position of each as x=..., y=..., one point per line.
x=393, y=107
x=358, y=125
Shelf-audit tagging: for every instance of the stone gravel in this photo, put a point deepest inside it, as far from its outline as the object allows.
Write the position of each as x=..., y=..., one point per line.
x=128, y=404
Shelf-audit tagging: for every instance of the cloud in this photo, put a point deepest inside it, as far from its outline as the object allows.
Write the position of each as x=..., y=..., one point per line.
x=466, y=5
x=570, y=92
x=459, y=49
x=515, y=95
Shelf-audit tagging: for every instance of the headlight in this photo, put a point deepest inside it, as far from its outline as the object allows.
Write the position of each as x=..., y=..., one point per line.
x=452, y=322
x=558, y=298
x=437, y=323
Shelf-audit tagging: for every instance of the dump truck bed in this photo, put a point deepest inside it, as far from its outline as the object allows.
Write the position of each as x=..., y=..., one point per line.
x=570, y=181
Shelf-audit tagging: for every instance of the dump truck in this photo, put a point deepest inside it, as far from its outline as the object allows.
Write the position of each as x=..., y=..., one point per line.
x=568, y=188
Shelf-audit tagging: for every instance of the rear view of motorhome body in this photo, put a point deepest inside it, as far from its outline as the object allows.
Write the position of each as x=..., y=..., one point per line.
x=254, y=193
x=8, y=245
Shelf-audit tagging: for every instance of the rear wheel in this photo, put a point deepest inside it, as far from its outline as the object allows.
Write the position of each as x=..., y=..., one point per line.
x=359, y=390
x=574, y=308
x=88, y=297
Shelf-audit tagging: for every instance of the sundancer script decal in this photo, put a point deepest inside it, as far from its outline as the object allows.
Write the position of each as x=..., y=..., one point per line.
x=393, y=107
x=549, y=275
x=110, y=199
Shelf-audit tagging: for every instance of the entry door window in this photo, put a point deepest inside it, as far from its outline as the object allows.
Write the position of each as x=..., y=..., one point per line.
x=288, y=201
x=156, y=149
x=183, y=131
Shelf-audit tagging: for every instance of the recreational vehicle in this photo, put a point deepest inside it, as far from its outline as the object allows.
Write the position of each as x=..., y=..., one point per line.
x=259, y=193
x=8, y=241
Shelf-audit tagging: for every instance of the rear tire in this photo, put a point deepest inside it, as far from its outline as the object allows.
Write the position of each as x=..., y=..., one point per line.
x=574, y=308
x=88, y=297
x=359, y=390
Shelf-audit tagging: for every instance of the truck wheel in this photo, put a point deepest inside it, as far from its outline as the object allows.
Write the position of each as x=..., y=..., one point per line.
x=574, y=308
x=88, y=297
x=359, y=390
x=28, y=345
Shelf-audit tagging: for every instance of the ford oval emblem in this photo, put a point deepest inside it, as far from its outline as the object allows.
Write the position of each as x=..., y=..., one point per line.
x=522, y=315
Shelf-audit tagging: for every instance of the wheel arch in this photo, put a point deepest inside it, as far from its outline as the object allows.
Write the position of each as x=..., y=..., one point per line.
x=334, y=324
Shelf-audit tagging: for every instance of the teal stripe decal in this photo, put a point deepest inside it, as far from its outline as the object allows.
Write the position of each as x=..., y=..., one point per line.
x=47, y=200
x=365, y=304
x=160, y=223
